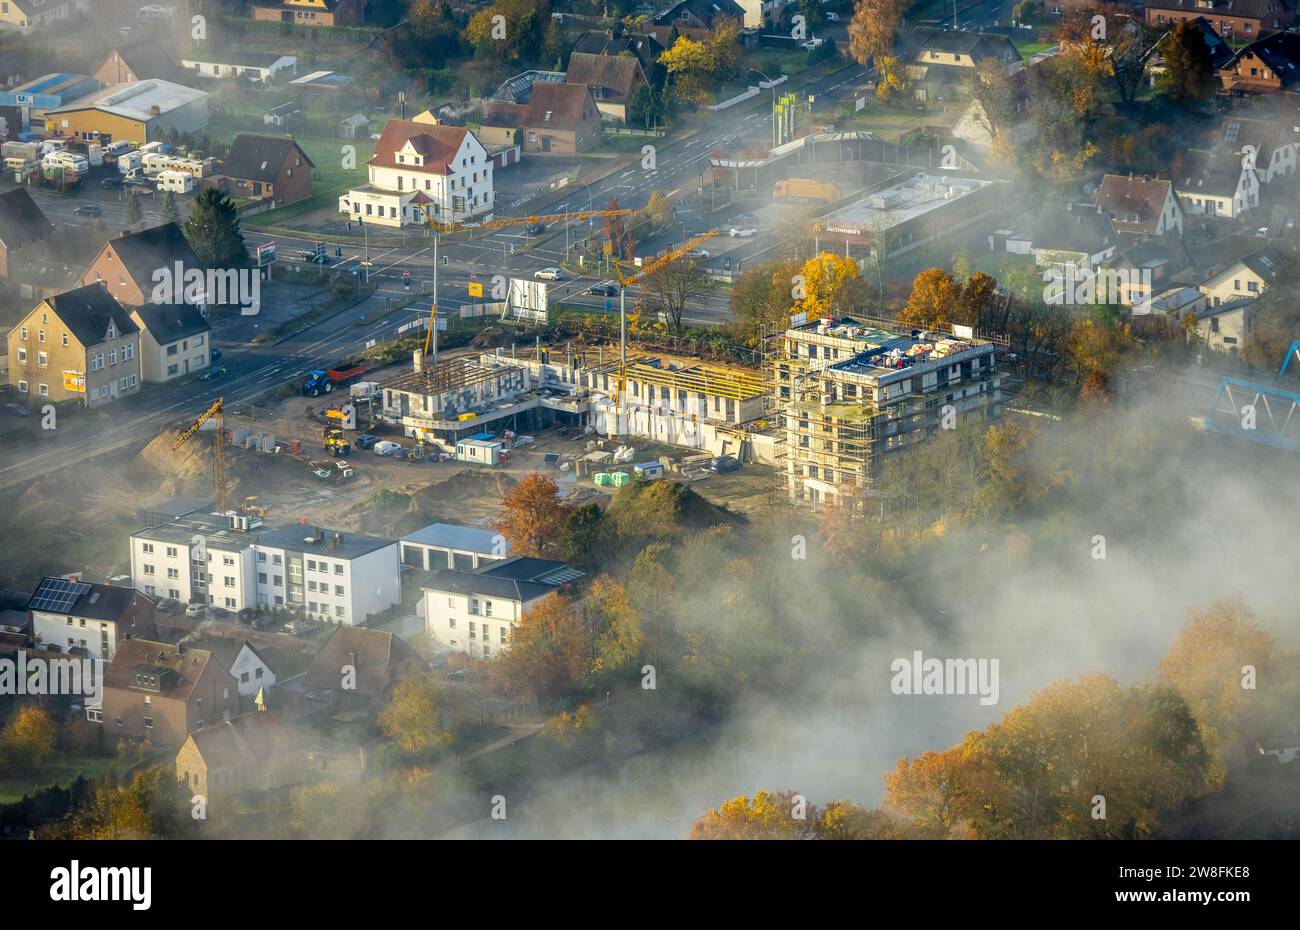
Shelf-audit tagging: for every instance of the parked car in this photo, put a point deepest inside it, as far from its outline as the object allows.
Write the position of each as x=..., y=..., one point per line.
x=17, y=410
x=212, y=374
x=111, y=183
x=387, y=448
x=196, y=610
x=724, y=463
x=168, y=606
x=696, y=253
x=291, y=628
x=220, y=613
x=89, y=209
x=366, y=440
x=246, y=615
x=604, y=288
x=742, y=232
x=548, y=274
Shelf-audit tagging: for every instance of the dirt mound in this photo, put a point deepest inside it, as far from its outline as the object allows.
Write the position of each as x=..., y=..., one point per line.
x=489, y=337
x=462, y=486
x=191, y=462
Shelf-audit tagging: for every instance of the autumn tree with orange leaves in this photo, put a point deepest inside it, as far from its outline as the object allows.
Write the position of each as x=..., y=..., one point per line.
x=549, y=650
x=532, y=516
x=785, y=815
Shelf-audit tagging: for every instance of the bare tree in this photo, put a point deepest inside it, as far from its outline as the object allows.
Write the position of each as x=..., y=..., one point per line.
x=669, y=289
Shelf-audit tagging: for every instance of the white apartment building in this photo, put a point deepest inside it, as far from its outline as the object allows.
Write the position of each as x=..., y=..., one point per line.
x=420, y=170
x=234, y=562
x=476, y=612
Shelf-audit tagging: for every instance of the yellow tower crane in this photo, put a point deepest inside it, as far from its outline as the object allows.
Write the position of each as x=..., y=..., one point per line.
x=439, y=229
x=624, y=283
x=219, y=464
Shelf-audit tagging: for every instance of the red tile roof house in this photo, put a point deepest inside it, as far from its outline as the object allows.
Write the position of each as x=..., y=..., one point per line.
x=1147, y=206
x=558, y=119
x=613, y=80
x=270, y=168
x=164, y=693
x=361, y=665
x=422, y=169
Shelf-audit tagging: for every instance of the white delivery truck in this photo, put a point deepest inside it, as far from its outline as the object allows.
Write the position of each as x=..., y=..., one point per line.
x=176, y=181
x=95, y=155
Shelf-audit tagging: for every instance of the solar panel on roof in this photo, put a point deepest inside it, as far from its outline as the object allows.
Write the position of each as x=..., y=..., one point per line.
x=57, y=596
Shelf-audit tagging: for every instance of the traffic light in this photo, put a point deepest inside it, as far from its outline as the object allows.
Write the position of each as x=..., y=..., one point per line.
x=446, y=260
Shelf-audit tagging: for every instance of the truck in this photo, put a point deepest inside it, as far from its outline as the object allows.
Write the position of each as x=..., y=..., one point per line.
x=327, y=379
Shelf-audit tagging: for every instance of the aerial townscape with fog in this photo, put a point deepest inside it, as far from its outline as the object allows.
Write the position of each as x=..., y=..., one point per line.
x=651, y=419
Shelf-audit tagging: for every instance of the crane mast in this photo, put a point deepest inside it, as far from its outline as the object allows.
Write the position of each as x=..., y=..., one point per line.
x=218, y=452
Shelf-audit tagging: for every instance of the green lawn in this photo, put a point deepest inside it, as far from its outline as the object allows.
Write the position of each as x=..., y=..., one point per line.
x=1028, y=49
x=331, y=178
x=61, y=770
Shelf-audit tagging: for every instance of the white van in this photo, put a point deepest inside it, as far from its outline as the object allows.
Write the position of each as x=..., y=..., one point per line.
x=176, y=181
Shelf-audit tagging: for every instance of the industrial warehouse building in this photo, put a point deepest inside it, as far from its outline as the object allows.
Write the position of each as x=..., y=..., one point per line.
x=138, y=112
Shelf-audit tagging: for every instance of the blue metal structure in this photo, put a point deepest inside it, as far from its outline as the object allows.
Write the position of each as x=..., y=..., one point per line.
x=1268, y=414
x=1291, y=353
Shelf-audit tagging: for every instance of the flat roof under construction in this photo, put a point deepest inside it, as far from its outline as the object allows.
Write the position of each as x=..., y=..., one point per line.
x=448, y=376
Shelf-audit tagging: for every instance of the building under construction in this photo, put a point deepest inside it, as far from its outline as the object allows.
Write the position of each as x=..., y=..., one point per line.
x=852, y=393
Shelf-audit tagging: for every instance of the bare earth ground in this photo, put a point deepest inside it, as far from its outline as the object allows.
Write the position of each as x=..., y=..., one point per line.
x=79, y=519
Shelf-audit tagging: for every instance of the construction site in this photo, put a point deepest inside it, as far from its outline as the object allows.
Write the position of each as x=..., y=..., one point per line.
x=854, y=392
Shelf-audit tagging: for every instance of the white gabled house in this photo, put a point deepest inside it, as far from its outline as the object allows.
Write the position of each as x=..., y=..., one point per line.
x=423, y=169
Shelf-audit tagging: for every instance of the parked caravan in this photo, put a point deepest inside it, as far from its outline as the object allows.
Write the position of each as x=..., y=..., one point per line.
x=176, y=181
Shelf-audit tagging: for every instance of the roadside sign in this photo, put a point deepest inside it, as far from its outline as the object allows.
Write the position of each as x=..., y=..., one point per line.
x=475, y=289
x=265, y=253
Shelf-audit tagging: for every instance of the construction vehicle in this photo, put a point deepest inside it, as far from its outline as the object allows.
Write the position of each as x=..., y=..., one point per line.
x=336, y=443
x=218, y=443
x=327, y=379
x=344, y=417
